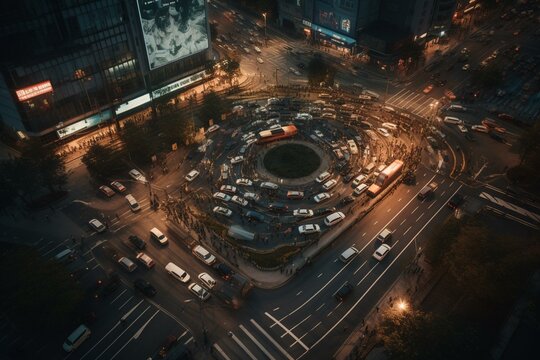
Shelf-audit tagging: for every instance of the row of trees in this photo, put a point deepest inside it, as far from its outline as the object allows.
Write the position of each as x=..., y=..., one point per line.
x=527, y=172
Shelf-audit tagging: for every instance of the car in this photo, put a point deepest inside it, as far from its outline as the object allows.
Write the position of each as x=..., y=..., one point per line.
x=344, y=291
x=277, y=207
x=237, y=159
x=207, y=280
x=441, y=82
x=295, y=195
x=428, y=89
x=257, y=49
x=228, y=189
x=358, y=180
x=251, y=141
x=260, y=60
x=346, y=200
x=334, y=218
x=223, y=270
x=249, y=135
x=360, y=189
x=146, y=260
x=204, y=255
x=322, y=197
x=329, y=184
x=324, y=211
x=506, y=117
x=97, y=225
x=348, y=254
x=466, y=67
x=254, y=215
x=252, y=196
x=158, y=236
x=318, y=133
x=212, y=128
x=137, y=176
x=221, y=196
x=145, y=287
x=303, y=213
x=348, y=178
x=192, y=175
x=309, y=229
x=239, y=200
x=381, y=252
x=480, y=128
x=199, y=291
x=137, y=242
x=244, y=182
x=106, y=190
x=389, y=126
x=462, y=128
x=222, y=211
x=383, y=132
x=456, y=201
x=323, y=177
x=116, y=185
x=450, y=95
x=269, y=185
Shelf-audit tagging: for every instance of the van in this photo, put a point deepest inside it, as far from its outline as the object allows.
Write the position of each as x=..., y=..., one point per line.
x=385, y=235
x=427, y=191
x=452, y=120
x=177, y=272
x=129, y=265
x=334, y=218
x=133, y=204
x=348, y=254
x=64, y=255
x=369, y=168
x=76, y=338
x=158, y=236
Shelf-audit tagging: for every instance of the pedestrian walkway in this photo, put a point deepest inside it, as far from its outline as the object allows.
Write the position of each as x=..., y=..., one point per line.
x=416, y=103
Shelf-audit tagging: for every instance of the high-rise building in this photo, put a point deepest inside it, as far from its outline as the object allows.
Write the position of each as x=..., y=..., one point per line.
x=69, y=65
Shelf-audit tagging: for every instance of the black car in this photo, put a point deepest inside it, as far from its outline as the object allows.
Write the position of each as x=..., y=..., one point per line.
x=345, y=171
x=277, y=207
x=324, y=211
x=145, y=287
x=346, y=200
x=301, y=65
x=223, y=270
x=456, y=201
x=348, y=178
x=137, y=242
x=343, y=291
x=409, y=178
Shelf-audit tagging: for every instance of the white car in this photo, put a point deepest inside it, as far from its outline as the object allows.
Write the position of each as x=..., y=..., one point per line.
x=329, y=184
x=251, y=141
x=97, y=225
x=257, y=49
x=244, y=182
x=221, y=196
x=390, y=126
x=322, y=197
x=248, y=135
x=360, y=189
x=228, y=189
x=334, y=218
x=309, y=229
x=358, y=180
x=260, y=60
x=383, y=132
x=137, y=176
x=462, y=128
x=480, y=128
x=192, y=175
x=199, y=291
x=222, y=211
x=323, y=177
x=269, y=185
x=252, y=196
x=274, y=127
x=239, y=200
x=212, y=128
x=465, y=67
x=381, y=252
x=207, y=280
x=319, y=134
x=204, y=255
x=237, y=159
x=304, y=213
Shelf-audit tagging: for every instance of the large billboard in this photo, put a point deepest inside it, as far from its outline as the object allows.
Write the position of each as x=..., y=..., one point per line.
x=173, y=29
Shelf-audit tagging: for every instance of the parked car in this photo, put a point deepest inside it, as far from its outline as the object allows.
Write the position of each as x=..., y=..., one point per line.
x=107, y=191
x=309, y=229
x=145, y=287
x=221, y=196
x=239, y=200
x=303, y=213
x=322, y=197
x=116, y=185
x=228, y=189
x=137, y=176
x=137, y=242
x=207, y=280
x=244, y=182
x=97, y=225
x=204, y=255
x=223, y=270
x=222, y=211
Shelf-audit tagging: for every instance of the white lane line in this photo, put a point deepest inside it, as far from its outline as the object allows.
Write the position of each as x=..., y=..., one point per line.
x=276, y=309
x=335, y=308
x=416, y=208
x=369, y=272
x=318, y=276
x=132, y=310
x=406, y=231
x=320, y=306
x=221, y=352
x=376, y=280
x=94, y=267
x=189, y=340
x=295, y=326
x=271, y=339
x=376, y=221
x=244, y=347
x=361, y=266
x=298, y=293
x=364, y=234
x=54, y=248
x=116, y=298
x=91, y=259
x=388, y=209
x=444, y=192
x=399, y=200
x=134, y=337
x=286, y=330
x=430, y=205
x=125, y=303
x=259, y=345
x=181, y=336
x=401, y=223
x=122, y=333
x=419, y=217
x=442, y=181
x=361, y=250
x=307, y=332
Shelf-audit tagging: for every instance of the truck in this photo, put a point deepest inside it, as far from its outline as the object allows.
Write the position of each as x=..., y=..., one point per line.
x=427, y=191
x=385, y=178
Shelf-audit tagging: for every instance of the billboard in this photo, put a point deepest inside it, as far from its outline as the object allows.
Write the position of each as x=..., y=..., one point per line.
x=173, y=29
x=34, y=90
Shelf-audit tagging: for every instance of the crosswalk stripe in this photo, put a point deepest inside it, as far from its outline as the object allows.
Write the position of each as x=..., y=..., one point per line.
x=244, y=347
x=221, y=352
x=271, y=339
x=259, y=345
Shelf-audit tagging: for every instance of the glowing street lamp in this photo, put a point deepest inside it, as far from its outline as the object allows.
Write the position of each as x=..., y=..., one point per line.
x=402, y=305
x=265, y=38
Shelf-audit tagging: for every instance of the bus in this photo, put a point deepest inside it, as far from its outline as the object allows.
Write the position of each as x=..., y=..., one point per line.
x=385, y=178
x=284, y=132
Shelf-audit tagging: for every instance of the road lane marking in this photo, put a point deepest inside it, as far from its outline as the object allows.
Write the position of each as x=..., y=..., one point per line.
x=125, y=303
x=95, y=266
x=139, y=332
x=369, y=272
x=388, y=209
x=375, y=223
x=54, y=248
x=406, y=231
x=126, y=315
x=221, y=352
x=376, y=280
x=419, y=217
x=298, y=293
x=320, y=307
x=364, y=234
x=361, y=266
x=430, y=205
x=307, y=332
x=295, y=326
x=276, y=309
x=402, y=222
x=319, y=275
x=331, y=311
x=399, y=200
x=416, y=208
x=335, y=260
x=244, y=347
x=271, y=339
x=116, y=298
x=443, y=192
x=286, y=330
x=259, y=345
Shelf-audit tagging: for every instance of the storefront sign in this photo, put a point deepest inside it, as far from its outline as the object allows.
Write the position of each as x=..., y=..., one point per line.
x=342, y=39
x=34, y=90
x=84, y=124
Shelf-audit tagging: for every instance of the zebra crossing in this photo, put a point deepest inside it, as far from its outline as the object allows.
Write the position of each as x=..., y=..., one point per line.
x=416, y=103
x=511, y=103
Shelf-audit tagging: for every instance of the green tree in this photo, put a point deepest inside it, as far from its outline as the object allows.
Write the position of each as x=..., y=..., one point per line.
x=212, y=107
x=319, y=71
x=37, y=294
x=231, y=68
x=102, y=162
x=138, y=142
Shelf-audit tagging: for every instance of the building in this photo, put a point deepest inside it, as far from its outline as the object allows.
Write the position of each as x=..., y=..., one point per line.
x=75, y=64
x=379, y=27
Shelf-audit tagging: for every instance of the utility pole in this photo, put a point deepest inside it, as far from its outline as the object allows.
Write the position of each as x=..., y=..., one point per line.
x=265, y=37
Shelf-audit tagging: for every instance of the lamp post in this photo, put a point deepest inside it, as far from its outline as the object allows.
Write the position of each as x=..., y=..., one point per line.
x=265, y=38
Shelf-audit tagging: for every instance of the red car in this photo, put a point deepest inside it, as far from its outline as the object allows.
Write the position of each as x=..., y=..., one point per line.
x=428, y=89
x=116, y=185
x=106, y=190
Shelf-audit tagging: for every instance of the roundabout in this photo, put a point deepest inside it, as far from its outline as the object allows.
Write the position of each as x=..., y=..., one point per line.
x=291, y=161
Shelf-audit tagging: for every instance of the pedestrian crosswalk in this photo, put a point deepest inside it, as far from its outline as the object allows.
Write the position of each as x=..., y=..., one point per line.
x=526, y=109
x=416, y=103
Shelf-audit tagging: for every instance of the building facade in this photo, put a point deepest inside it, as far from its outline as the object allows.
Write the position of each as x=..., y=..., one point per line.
x=75, y=64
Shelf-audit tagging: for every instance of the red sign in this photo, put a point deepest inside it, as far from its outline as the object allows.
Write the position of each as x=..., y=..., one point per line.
x=34, y=90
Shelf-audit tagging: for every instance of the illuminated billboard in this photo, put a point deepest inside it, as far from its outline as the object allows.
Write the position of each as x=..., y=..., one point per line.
x=34, y=90
x=173, y=29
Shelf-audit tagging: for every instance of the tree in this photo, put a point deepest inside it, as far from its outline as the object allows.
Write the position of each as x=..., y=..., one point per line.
x=102, y=162
x=37, y=294
x=414, y=335
x=319, y=71
x=176, y=128
x=231, y=68
x=212, y=107
x=137, y=142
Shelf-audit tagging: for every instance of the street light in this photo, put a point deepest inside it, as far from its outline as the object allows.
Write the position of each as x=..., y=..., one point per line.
x=402, y=305
x=265, y=38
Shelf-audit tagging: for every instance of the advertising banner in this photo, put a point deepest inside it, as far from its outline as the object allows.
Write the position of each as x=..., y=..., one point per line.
x=173, y=29
x=34, y=90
